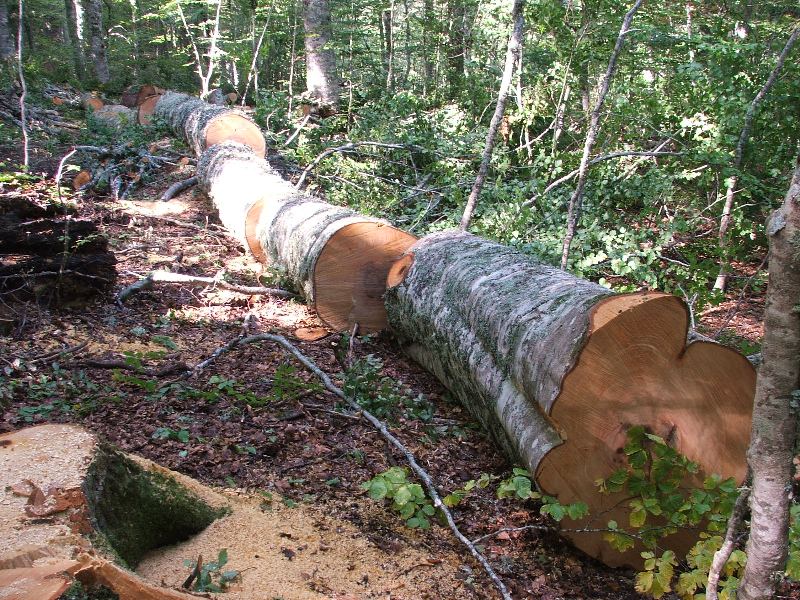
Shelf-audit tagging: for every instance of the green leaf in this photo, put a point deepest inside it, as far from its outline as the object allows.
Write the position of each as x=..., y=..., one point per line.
x=183, y=435
x=403, y=495
x=377, y=489
x=222, y=558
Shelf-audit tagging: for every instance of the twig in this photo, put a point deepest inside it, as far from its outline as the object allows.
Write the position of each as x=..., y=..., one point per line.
x=298, y=130
x=61, y=170
x=195, y=572
x=348, y=147
x=732, y=312
x=179, y=278
x=722, y=555
x=177, y=188
x=54, y=353
x=381, y=427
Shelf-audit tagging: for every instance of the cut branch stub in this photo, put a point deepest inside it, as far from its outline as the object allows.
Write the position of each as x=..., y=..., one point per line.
x=558, y=369
x=202, y=125
x=338, y=260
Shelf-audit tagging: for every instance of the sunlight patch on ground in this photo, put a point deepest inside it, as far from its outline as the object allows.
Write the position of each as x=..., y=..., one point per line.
x=156, y=208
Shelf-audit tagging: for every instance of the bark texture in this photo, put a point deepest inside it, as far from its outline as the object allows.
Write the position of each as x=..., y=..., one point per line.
x=6, y=39
x=466, y=311
x=201, y=124
x=774, y=419
x=73, y=39
x=93, y=14
x=322, y=80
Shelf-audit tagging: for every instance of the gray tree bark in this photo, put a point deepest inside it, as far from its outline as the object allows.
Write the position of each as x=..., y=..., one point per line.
x=93, y=15
x=774, y=418
x=467, y=311
x=513, y=54
x=322, y=80
x=73, y=39
x=6, y=39
x=455, y=49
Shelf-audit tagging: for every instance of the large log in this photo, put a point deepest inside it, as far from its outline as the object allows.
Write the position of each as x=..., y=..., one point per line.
x=557, y=369
x=337, y=259
x=202, y=125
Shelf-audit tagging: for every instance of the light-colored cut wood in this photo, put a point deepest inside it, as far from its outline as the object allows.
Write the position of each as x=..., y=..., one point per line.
x=233, y=127
x=399, y=270
x=146, y=109
x=350, y=275
x=81, y=179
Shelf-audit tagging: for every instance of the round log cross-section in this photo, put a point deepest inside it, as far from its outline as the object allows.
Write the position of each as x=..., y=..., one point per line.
x=558, y=369
x=202, y=125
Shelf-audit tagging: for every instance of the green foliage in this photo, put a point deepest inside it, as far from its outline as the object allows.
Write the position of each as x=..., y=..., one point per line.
x=455, y=497
x=407, y=499
x=520, y=486
x=165, y=433
x=212, y=577
x=382, y=396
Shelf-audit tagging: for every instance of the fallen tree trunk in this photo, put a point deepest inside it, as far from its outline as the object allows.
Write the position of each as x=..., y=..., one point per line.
x=202, y=125
x=337, y=259
x=557, y=369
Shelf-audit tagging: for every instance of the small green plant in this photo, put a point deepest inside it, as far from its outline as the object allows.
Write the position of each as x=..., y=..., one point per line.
x=287, y=385
x=211, y=577
x=408, y=499
x=456, y=496
x=520, y=486
x=166, y=433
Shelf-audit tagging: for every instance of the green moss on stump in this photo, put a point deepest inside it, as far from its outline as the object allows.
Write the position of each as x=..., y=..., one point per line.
x=135, y=510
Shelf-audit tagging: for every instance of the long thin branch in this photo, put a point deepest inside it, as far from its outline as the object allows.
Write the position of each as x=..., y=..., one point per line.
x=179, y=278
x=513, y=53
x=744, y=136
x=381, y=427
x=575, y=202
x=256, y=52
x=178, y=187
x=598, y=159
x=348, y=147
x=197, y=59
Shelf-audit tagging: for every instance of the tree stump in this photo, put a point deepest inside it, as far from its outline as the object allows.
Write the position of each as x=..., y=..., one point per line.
x=557, y=369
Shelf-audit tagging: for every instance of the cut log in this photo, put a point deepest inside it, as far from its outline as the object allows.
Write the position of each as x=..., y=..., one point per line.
x=557, y=369
x=37, y=262
x=92, y=102
x=144, y=113
x=202, y=125
x=338, y=260
x=81, y=179
x=135, y=95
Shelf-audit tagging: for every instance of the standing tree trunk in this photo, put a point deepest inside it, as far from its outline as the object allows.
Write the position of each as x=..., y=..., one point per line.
x=539, y=356
x=6, y=43
x=576, y=201
x=22, y=84
x=513, y=54
x=428, y=32
x=322, y=80
x=744, y=136
x=774, y=418
x=387, y=17
x=93, y=14
x=73, y=39
x=455, y=50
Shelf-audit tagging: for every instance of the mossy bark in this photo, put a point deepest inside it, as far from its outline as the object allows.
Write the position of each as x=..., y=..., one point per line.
x=499, y=329
x=135, y=510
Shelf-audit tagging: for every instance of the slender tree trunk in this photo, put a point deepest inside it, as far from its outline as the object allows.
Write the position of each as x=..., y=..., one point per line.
x=744, y=136
x=135, y=36
x=74, y=39
x=6, y=43
x=428, y=33
x=388, y=28
x=455, y=50
x=322, y=80
x=292, y=60
x=513, y=54
x=93, y=14
x=774, y=418
x=23, y=85
x=575, y=202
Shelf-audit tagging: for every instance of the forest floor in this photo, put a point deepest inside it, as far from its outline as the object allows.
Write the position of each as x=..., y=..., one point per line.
x=254, y=420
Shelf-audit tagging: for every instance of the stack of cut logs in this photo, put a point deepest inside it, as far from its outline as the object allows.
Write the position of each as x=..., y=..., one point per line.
x=556, y=368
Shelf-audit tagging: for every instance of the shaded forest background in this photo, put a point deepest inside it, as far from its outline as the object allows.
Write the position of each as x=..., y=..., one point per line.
x=424, y=75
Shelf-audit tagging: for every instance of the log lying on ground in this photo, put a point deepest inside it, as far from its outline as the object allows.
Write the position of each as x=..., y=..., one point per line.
x=145, y=110
x=337, y=259
x=202, y=125
x=135, y=95
x=558, y=369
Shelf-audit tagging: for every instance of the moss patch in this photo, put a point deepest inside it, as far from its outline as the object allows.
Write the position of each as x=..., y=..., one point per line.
x=135, y=510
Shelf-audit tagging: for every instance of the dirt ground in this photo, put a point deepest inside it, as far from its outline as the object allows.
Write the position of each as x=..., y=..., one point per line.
x=253, y=422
